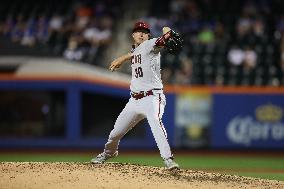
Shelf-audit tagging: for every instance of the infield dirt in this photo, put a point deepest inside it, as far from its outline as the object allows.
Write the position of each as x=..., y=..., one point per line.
x=18, y=175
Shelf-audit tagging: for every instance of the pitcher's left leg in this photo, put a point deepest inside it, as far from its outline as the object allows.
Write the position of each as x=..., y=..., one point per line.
x=154, y=110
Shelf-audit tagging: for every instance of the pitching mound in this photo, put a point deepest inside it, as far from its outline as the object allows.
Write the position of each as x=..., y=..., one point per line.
x=116, y=175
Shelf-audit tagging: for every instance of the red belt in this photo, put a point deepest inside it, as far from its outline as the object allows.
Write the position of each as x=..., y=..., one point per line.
x=142, y=94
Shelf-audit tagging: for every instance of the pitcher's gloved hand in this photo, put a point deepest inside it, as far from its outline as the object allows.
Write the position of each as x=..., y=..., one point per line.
x=174, y=43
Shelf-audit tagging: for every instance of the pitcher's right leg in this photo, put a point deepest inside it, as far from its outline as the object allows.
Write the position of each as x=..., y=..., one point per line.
x=127, y=119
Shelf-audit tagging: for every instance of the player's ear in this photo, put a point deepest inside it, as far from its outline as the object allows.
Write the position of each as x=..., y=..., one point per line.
x=149, y=36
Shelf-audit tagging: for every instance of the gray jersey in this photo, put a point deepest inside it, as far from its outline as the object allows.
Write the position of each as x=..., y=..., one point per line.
x=146, y=68
x=145, y=64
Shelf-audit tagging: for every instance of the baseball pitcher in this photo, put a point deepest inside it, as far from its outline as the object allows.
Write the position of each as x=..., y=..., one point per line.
x=147, y=98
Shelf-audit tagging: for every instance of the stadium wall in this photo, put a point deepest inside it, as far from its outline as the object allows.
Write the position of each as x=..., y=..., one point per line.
x=195, y=117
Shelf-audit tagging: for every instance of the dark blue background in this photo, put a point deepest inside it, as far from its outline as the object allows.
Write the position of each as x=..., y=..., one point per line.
x=228, y=106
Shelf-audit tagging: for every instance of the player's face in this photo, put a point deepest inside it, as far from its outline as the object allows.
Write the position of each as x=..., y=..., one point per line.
x=140, y=36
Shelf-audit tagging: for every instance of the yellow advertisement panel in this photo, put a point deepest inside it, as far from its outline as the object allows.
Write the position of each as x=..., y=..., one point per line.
x=193, y=119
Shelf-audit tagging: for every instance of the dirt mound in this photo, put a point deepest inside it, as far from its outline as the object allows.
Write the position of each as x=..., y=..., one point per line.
x=117, y=175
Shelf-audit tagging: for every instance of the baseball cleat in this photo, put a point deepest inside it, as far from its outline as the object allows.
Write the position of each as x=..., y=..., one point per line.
x=170, y=164
x=102, y=157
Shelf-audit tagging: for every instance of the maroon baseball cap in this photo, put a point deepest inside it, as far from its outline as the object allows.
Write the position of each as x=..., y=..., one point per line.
x=141, y=26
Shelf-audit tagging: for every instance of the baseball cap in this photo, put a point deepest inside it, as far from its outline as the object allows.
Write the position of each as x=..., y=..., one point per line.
x=141, y=25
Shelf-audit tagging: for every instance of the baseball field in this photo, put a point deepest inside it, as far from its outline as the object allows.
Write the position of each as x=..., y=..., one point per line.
x=141, y=170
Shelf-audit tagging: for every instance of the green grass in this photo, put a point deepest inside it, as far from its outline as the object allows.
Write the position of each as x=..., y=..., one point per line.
x=259, y=167
x=44, y=157
x=231, y=162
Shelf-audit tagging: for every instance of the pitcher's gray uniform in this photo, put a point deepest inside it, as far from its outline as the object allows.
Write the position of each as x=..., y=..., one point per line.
x=147, y=97
x=146, y=76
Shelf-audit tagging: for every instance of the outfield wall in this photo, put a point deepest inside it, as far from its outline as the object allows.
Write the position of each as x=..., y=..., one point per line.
x=230, y=117
x=79, y=112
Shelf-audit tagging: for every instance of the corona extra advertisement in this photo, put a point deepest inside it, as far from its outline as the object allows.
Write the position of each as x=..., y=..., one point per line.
x=248, y=121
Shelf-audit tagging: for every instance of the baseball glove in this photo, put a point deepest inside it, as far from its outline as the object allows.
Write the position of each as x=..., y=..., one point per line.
x=174, y=43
